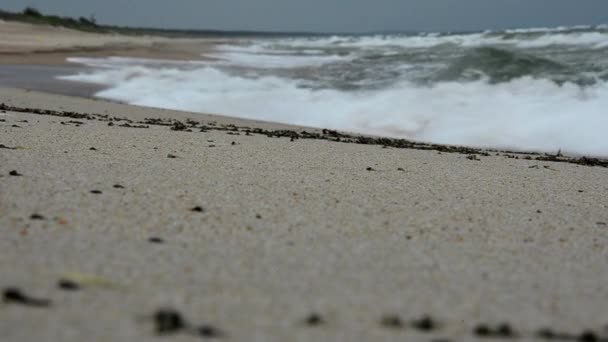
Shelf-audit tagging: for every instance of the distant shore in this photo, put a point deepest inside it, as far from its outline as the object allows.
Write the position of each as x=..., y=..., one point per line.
x=23, y=43
x=31, y=56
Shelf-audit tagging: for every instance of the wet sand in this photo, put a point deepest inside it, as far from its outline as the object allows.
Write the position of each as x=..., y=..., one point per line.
x=44, y=78
x=125, y=223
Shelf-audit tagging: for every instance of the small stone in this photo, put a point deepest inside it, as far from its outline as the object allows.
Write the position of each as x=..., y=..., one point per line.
x=425, y=323
x=168, y=321
x=588, y=336
x=118, y=186
x=314, y=319
x=13, y=295
x=482, y=330
x=208, y=331
x=504, y=330
x=37, y=217
x=171, y=156
x=93, y=149
x=198, y=209
x=68, y=285
x=400, y=169
x=156, y=240
x=370, y=169
x=96, y=192
x=15, y=173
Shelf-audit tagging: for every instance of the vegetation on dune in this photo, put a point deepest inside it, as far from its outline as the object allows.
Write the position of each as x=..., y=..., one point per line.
x=34, y=16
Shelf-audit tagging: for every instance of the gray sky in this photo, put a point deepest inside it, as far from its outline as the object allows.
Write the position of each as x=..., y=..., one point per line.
x=329, y=15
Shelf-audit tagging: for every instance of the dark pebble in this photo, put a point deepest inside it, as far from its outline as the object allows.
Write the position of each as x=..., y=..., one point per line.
x=96, y=191
x=198, y=209
x=156, y=240
x=118, y=186
x=258, y=216
x=400, y=169
x=15, y=173
x=505, y=330
x=370, y=169
x=13, y=295
x=426, y=323
x=314, y=319
x=482, y=330
x=233, y=143
x=93, y=149
x=588, y=336
x=208, y=331
x=391, y=321
x=171, y=155
x=68, y=285
x=168, y=321
x=37, y=217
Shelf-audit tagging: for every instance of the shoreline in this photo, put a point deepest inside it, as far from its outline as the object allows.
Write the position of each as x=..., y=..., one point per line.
x=190, y=121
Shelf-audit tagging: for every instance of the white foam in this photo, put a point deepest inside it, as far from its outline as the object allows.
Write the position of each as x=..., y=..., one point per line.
x=563, y=36
x=278, y=61
x=592, y=39
x=550, y=29
x=526, y=114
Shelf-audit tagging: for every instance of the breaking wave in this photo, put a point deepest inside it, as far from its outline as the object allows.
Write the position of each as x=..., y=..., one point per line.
x=466, y=89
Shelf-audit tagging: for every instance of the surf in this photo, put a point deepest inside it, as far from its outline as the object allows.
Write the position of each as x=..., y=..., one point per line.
x=531, y=90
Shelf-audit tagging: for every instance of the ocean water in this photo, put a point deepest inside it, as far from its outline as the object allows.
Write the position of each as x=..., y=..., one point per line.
x=540, y=89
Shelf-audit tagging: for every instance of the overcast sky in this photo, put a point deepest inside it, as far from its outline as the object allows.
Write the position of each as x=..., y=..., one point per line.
x=329, y=15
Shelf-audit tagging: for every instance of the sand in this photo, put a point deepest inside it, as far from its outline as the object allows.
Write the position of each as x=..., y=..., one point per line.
x=370, y=240
x=22, y=43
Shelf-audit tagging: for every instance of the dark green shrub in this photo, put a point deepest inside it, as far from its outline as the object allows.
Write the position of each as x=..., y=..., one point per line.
x=32, y=12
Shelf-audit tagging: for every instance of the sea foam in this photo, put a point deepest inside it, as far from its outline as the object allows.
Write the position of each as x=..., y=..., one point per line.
x=525, y=112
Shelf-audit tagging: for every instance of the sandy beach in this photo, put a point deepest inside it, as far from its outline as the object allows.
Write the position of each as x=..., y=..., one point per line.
x=127, y=223
x=22, y=43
